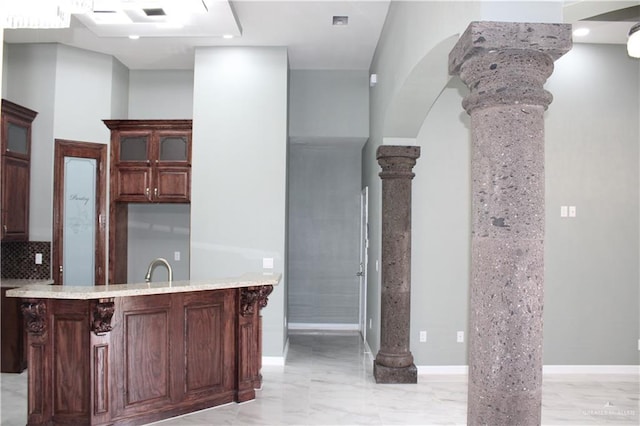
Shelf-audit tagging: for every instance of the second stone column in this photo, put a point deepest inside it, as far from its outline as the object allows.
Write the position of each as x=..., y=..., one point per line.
x=394, y=361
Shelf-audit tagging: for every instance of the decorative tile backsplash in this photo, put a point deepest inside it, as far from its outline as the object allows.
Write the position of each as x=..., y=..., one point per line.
x=18, y=260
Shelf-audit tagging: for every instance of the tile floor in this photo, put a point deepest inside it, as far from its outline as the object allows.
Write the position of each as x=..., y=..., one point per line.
x=328, y=380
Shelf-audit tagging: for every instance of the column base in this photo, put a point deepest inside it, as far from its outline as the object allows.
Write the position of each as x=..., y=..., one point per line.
x=384, y=374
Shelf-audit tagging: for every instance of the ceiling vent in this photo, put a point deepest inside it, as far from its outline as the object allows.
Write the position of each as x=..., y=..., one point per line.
x=154, y=12
x=340, y=20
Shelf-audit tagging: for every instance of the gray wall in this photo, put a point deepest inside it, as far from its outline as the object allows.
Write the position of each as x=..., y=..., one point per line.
x=238, y=197
x=592, y=279
x=324, y=233
x=592, y=138
x=329, y=104
x=161, y=94
x=441, y=233
x=158, y=230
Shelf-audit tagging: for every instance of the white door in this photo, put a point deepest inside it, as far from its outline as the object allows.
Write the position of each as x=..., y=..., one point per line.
x=364, y=256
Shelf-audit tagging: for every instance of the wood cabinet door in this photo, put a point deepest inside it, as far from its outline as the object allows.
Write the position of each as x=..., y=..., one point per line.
x=172, y=184
x=15, y=199
x=133, y=184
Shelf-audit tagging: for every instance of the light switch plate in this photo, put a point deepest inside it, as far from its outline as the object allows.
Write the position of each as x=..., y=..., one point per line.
x=564, y=211
x=176, y=255
x=38, y=258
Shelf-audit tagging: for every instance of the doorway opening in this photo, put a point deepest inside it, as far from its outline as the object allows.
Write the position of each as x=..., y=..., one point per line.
x=324, y=220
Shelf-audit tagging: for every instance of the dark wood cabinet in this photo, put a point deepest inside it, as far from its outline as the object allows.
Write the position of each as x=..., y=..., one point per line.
x=132, y=360
x=150, y=161
x=16, y=157
x=14, y=359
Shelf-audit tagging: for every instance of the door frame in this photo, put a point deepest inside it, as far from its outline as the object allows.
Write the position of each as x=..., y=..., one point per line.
x=364, y=259
x=68, y=148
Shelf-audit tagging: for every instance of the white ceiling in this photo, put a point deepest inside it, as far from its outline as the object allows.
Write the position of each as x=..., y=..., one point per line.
x=303, y=26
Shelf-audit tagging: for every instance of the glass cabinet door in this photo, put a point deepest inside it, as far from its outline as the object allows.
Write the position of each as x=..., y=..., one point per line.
x=174, y=148
x=17, y=138
x=134, y=148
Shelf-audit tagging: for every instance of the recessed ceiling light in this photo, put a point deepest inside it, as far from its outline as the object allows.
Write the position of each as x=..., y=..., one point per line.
x=134, y=37
x=341, y=20
x=228, y=36
x=581, y=32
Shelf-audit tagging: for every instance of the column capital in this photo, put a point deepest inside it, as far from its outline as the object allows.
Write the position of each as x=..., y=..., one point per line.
x=485, y=36
x=397, y=161
x=507, y=63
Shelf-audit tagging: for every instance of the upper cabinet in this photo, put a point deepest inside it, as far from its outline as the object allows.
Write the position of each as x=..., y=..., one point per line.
x=16, y=168
x=150, y=160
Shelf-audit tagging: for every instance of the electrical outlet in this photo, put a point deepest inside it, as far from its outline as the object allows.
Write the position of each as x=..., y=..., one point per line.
x=460, y=337
x=267, y=262
x=176, y=256
x=38, y=258
x=423, y=336
x=572, y=211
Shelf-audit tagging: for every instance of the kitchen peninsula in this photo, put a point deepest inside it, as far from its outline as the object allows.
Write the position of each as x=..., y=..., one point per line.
x=137, y=353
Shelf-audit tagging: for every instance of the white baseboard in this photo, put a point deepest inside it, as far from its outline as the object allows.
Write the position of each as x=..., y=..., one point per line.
x=273, y=361
x=277, y=361
x=453, y=370
x=323, y=326
x=591, y=369
x=368, y=352
x=546, y=369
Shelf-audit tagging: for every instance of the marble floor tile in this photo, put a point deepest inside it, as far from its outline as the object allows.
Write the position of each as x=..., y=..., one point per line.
x=328, y=380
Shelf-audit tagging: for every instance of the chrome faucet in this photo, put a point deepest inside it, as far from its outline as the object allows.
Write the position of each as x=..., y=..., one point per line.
x=152, y=265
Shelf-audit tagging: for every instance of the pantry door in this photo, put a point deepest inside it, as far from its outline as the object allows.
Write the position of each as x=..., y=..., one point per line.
x=79, y=213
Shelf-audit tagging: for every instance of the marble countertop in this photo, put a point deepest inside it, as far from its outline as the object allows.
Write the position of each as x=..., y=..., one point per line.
x=44, y=291
x=15, y=282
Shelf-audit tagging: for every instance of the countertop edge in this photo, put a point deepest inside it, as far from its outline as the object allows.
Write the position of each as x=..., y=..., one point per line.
x=45, y=291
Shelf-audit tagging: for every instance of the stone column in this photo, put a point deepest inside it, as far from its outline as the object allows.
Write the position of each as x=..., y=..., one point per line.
x=394, y=362
x=505, y=66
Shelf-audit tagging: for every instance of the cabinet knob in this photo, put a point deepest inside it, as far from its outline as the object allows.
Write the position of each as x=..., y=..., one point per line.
x=155, y=192
x=146, y=192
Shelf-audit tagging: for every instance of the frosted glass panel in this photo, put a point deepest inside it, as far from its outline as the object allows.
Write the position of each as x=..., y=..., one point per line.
x=78, y=241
